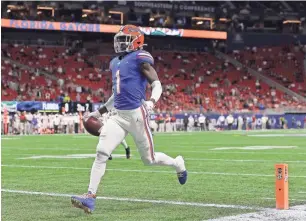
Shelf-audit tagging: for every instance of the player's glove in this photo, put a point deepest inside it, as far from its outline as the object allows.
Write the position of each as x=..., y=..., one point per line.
x=149, y=105
x=95, y=114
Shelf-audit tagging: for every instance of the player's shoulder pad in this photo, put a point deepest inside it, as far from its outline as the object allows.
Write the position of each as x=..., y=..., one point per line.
x=111, y=63
x=144, y=56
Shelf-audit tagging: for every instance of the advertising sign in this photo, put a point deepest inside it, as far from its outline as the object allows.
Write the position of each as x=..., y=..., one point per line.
x=103, y=28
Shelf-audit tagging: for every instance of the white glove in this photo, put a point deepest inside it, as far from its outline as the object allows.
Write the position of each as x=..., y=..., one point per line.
x=95, y=114
x=149, y=105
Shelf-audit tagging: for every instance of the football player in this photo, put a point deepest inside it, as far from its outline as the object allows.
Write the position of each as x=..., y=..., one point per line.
x=131, y=70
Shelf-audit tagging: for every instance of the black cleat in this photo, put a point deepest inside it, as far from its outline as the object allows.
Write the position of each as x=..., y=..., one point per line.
x=110, y=157
x=128, y=153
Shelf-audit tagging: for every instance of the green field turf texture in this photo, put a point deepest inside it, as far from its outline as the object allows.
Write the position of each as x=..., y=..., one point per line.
x=225, y=186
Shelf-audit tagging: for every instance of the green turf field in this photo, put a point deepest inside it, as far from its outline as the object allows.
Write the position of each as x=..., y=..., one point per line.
x=237, y=178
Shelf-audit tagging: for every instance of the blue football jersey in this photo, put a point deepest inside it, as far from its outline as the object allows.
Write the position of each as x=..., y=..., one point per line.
x=129, y=84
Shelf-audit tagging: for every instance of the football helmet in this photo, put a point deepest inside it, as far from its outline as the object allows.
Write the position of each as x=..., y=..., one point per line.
x=129, y=38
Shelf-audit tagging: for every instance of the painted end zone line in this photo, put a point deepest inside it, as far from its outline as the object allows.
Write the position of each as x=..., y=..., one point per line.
x=137, y=200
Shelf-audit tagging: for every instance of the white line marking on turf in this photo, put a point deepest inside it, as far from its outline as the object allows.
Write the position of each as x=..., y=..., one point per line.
x=254, y=148
x=146, y=171
x=83, y=156
x=276, y=135
x=212, y=151
x=70, y=156
x=137, y=200
x=295, y=213
x=241, y=160
x=10, y=138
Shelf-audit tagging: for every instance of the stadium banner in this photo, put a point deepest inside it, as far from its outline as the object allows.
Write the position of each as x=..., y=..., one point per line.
x=176, y=6
x=103, y=28
x=10, y=106
x=50, y=107
x=29, y=106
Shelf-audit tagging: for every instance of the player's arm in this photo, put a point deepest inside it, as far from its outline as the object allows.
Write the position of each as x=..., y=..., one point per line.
x=102, y=110
x=149, y=72
x=107, y=106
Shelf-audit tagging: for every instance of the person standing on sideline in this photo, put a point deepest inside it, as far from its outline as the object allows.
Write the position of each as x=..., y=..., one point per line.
x=240, y=123
x=230, y=121
x=264, y=121
x=168, y=123
x=202, y=122
x=76, y=120
x=185, y=121
x=161, y=125
x=190, y=123
x=56, y=123
x=173, y=123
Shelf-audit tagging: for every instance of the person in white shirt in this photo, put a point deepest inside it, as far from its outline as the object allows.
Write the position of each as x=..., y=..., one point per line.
x=264, y=120
x=29, y=126
x=45, y=122
x=65, y=119
x=240, y=122
x=76, y=120
x=190, y=123
x=230, y=121
x=51, y=118
x=202, y=122
x=221, y=121
x=70, y=120
x=56, y=121
x=16, y=123
x=168, y=123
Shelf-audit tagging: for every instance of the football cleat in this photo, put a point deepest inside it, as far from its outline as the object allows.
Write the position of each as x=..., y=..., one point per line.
x=128, y=153
x=85, y=202
x=182, y=177
x=181, y=170
x=110, y=157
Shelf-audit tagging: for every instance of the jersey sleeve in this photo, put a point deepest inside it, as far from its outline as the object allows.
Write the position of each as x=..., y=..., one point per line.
x=111, y=64
x=144, y=57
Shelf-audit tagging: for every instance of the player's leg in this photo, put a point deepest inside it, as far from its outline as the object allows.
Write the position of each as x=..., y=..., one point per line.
x=144, y=141
x=127, y=149
x=111, y=136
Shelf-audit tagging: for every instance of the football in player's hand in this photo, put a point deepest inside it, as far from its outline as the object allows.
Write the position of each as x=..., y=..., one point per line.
x=93, y=125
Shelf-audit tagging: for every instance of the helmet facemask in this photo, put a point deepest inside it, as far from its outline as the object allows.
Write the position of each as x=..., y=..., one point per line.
x=124, y=42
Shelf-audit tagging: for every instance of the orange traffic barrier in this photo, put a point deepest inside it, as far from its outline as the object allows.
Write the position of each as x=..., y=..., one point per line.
x=281, y=186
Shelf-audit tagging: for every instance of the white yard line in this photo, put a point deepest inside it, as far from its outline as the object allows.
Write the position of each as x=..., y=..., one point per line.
x=241, y=160
x=146, y=171
x=170, y=151
x=295, y=213
x=92, y=155
x=137, y=200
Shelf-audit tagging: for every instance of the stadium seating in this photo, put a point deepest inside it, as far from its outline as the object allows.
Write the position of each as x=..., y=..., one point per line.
x=283, y=64
x=192, y=81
